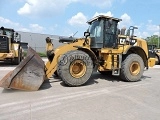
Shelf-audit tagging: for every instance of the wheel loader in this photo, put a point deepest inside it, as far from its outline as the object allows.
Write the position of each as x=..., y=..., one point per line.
x=104, y=47
x=153, y=48
x=10, y=46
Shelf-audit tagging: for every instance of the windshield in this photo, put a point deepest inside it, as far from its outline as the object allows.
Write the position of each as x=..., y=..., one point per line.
x=1, y=31
x=6, y=32
x=95, y=29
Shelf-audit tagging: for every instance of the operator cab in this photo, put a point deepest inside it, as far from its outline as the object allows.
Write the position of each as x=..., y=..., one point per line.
x=10, y=33
x=103, y=32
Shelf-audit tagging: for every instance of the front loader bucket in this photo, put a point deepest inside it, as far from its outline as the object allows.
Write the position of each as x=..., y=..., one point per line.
x=28, y=75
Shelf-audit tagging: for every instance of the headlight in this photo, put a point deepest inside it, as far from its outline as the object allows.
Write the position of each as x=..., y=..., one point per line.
x=16, y=47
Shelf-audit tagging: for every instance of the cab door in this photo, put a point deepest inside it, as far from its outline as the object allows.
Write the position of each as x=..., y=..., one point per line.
x=110, y=34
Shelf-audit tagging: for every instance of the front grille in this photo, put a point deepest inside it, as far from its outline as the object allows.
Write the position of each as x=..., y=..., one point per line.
x=4, y=44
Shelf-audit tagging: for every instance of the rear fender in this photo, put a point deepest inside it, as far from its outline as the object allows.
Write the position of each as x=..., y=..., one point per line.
x=140, y=52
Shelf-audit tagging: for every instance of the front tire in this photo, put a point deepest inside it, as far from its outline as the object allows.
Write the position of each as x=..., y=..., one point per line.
x=132, y=68
x=75, y=68
x=18, y=59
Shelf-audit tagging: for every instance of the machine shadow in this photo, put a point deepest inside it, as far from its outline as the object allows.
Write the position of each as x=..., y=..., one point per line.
x=145, y=77
x=7, y=64
x=93, y=80
x=95, y=77
x=45, y=85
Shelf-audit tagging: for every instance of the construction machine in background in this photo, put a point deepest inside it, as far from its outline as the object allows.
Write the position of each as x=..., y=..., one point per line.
x=153, y=48
x=157, y=56
x=104, y=47
x=11, y=46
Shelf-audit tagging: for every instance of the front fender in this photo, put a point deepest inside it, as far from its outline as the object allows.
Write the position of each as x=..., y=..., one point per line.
x=138, y=50
x=51, y=66
x=90, y=53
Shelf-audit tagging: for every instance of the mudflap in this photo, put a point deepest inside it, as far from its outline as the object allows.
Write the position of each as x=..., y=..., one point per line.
x=28, y=75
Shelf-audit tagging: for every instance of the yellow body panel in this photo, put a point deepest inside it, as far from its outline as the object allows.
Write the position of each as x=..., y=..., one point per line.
x=4, y=56
x=140, y=43
x=143, y=44
x=107, y=63
x=151, y=62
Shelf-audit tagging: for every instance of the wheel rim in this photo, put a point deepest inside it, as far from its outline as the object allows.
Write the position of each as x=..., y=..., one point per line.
x=77, y=68
x=135, y=68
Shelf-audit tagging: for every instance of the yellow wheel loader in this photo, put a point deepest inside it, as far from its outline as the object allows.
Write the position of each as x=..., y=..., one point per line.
x=153, y=48
x=10, y=46
x=104, y=47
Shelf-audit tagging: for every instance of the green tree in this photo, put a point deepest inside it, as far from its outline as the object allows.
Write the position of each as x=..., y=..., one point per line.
x=153, y=40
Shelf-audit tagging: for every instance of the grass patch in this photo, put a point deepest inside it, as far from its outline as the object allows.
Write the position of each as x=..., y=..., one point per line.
x=41, y=54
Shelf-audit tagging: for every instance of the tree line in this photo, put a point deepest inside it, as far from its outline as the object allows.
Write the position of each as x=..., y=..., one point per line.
x=153, y=40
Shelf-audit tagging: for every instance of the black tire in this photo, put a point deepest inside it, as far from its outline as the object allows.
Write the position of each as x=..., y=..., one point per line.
x=75, y=68
x=132, y=68
x=58, y=66
x=157, y=60
x=18, y=59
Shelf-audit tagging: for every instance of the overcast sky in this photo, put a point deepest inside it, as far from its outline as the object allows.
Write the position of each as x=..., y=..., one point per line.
x=66, y=17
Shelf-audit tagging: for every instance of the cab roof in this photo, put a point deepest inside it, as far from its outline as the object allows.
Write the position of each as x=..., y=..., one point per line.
x=9, y=29
x=103, y=16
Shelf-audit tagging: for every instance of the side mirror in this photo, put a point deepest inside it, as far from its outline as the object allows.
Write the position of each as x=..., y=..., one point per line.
x=86, y=34
x=16, y=34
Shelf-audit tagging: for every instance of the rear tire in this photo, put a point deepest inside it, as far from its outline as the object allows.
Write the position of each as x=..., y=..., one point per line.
x=75, y=68
x=132, y=68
